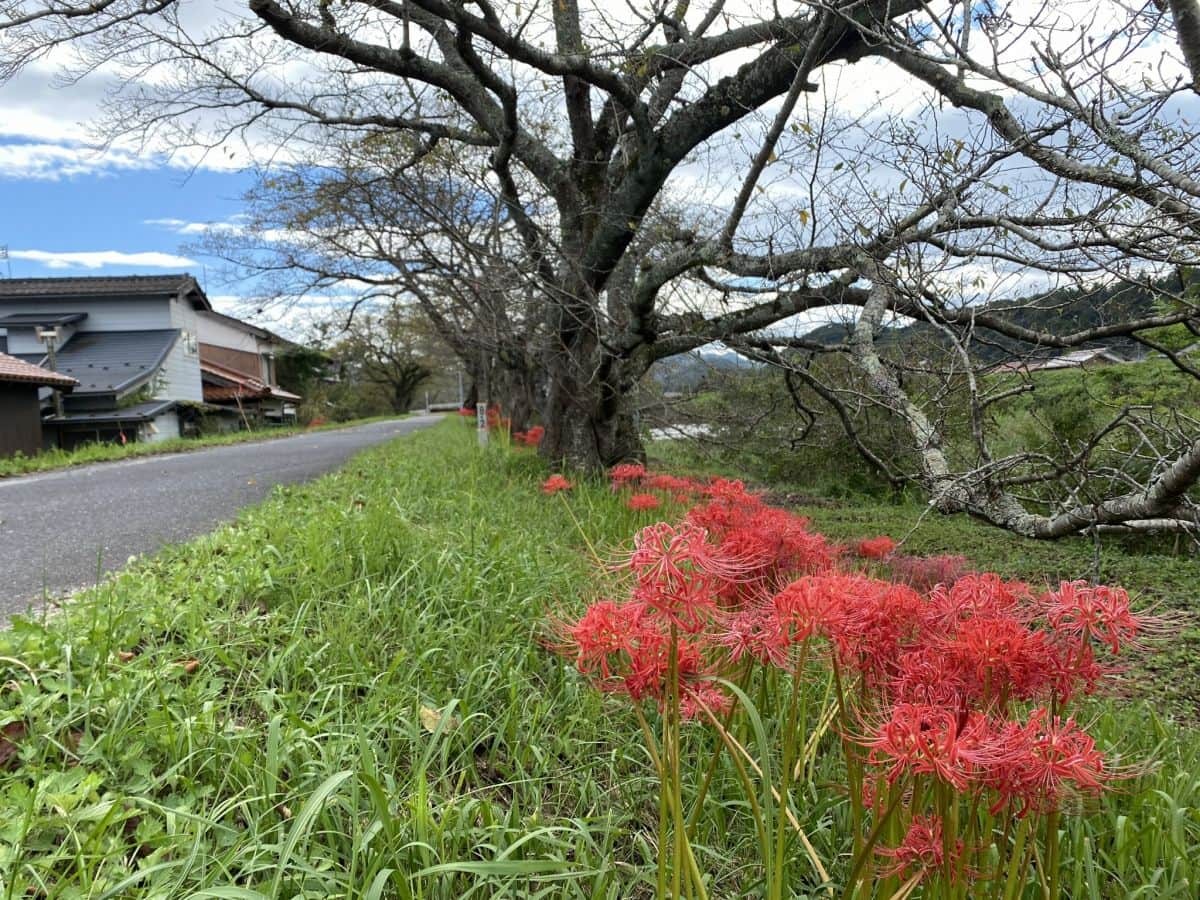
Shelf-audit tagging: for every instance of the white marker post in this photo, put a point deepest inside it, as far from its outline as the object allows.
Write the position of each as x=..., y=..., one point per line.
x=481, y=423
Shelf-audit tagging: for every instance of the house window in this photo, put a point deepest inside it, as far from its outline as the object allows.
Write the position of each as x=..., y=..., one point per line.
x=190, y=345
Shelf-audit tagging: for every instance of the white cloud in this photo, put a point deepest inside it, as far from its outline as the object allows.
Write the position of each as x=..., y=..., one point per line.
x=293, y=316
x=49, y=162
x=97, y=259
x=182, y=226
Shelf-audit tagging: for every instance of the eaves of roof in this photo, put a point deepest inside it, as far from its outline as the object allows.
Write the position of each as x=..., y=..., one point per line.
x=104, y=286
x=140, y=412
x=13, y=369
x=224, y=384
x=31, y=320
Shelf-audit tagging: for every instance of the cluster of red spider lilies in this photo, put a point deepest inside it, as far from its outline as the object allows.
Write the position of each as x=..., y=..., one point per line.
x=943, y=693
x=496, y=422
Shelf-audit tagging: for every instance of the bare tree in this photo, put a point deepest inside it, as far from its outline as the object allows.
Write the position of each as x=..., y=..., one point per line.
x=661, y=179
x=629, y=98
x=389, y=349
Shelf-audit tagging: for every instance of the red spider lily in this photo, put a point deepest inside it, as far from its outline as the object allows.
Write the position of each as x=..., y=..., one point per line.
x=925, y=675
x=603, y=631
x=937, y=663
x=626, y=652
x=923, y=849
x=641, y=502
x=466, y=412
x=814, y=604
x=774, y=543
x=1077, y=670
x=554, y=484
x=728, y=489
x=649, y=663
x=998, y=658
x=923, y=573
x=880, y=621
x=752, y=632
x=979, y=593
x=665, y=552
x=923, y=739
x=1038, y=763
x=530, y=438
x=700, y=698
x=670, y=484
x=790, y=548
x=625, y=474
x=679, y=574
x=876, y=548
x=1092, y=613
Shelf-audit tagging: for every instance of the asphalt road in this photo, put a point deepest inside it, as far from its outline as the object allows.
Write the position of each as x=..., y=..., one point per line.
x=59, y=529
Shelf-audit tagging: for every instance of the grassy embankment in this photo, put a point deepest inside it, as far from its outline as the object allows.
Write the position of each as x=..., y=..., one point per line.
x=344, y=694
x=1064, y=405
x=48, y=460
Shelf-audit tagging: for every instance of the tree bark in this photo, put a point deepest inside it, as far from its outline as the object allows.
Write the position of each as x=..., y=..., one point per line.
x=1187, y=23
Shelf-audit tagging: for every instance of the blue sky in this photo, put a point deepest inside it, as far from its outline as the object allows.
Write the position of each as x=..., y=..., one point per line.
x=70, y=209
x=107, y=221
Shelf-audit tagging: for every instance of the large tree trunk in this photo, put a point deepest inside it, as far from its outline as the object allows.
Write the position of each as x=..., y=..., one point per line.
x=591, y=426
x=514, y=390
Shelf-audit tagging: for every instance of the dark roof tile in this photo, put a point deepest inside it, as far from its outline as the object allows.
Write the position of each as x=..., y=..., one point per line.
x=107, y=362
x=26, y=320
x=139, y=412
x=102, y=286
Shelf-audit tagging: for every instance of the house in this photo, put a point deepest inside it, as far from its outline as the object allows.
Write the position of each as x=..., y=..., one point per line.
x=21, y=406
x=237, y=368
x=150, y=355
x=1077, y=359
x=133, y=345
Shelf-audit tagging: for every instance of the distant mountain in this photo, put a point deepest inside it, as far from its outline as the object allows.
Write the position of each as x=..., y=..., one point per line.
x=1059, y=312
x=687, y=372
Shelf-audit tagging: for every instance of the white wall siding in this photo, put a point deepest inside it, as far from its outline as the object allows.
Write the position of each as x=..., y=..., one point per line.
x=222, y=334
x=186, y=319
x=104, y=313
x=166, y=427
x=24, y=340
x=181, y=375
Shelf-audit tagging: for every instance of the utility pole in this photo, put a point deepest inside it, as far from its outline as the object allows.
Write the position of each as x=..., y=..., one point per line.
x=49, y=337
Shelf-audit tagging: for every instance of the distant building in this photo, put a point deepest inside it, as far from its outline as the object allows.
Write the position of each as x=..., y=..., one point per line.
x=133, y=344
x=1078, y=359
x=237, y=368
x=21, y=406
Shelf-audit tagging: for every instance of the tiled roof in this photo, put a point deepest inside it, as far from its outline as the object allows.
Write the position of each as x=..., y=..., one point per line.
x=139, y=412
x=85, y=286
x=13, y=369
x=107, y=362
x=224, y=384
x=102, y=286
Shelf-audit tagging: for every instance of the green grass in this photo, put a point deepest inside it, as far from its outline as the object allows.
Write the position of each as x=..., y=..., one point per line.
x=48, y=460
x=345, y=694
